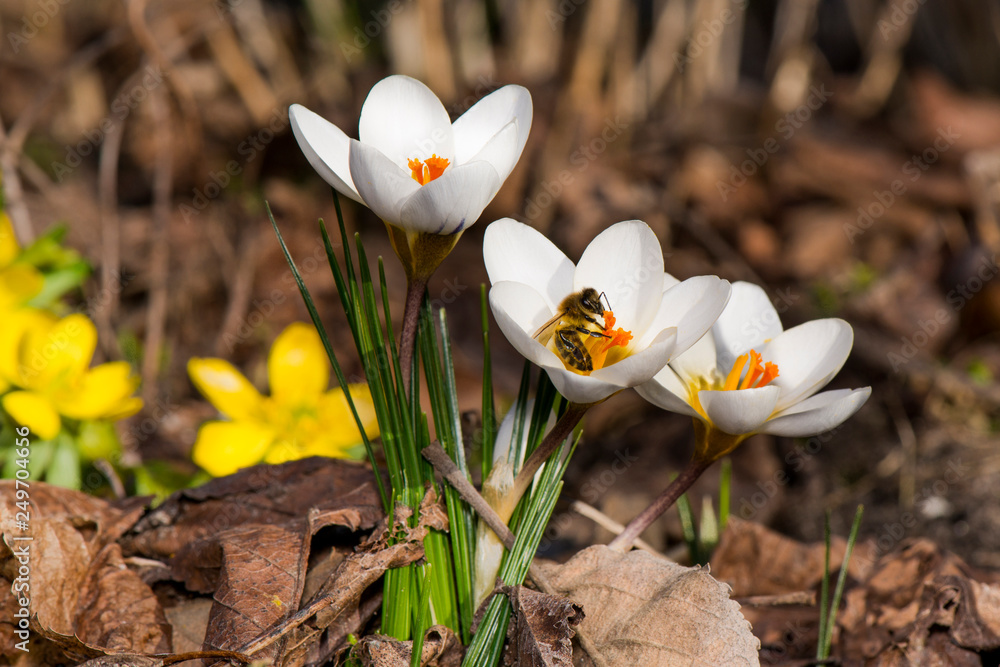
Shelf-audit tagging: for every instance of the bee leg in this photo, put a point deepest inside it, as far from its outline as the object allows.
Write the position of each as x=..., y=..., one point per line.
x=570, y=348
x=595, y=334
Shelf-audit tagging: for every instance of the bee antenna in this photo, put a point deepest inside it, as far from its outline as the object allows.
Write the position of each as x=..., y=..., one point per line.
x=606, y=300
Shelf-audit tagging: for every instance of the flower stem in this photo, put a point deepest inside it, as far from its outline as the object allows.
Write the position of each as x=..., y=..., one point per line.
x=674, y=490
x=574, y=413
x=415, y=289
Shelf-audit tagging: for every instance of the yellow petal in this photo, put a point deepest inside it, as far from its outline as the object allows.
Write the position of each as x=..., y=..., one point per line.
x=339, y=429
x=62, y=354
x=101, y=393
x=9, y=247
x=330, y=447
x=225, y=387
x=33, y=410
x=222, y=448
x=284, y=450
x=20, y=328
x=297, y=367
x=126, y=408
x=18, y=284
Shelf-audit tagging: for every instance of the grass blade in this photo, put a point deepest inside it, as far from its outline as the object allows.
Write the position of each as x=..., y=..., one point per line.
x=824, y=597
x=314, y=315
x=841, y=581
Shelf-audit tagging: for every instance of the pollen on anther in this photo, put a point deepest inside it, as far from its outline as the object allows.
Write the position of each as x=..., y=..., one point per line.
x=425, y=171
x=758, y=374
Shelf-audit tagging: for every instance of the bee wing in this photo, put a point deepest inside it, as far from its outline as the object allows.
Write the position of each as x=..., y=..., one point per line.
x=545, y=331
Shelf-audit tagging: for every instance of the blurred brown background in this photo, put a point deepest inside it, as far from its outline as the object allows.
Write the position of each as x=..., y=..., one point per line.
x=845, y=154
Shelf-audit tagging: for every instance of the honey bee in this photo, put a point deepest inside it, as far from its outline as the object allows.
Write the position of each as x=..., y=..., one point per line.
x=580, y=314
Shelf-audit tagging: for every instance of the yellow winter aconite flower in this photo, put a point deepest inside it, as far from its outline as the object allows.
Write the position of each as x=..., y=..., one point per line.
x=18, y=282
x=300, y=418
x=45, y=361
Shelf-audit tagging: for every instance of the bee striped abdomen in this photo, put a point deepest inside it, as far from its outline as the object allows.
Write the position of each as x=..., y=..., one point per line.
x=569, y=346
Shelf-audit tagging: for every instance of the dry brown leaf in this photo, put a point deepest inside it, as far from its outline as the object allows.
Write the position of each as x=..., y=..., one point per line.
x=189, y=620
x=921, y=605
x=261, y=568
x=259, y=586
x=441, y=648
x=541, y=629
x=642, y=610
x=123, y=661
x=755, y=560
x=60, y=574
x=912, y=606
x=70, y=528
x=117, y=611
x=333, y=611
x=263, y=494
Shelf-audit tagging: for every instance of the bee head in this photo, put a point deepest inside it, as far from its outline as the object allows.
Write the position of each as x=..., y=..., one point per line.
x=591, y=300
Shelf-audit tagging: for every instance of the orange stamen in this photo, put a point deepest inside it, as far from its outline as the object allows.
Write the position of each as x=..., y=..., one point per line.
x=733, y=379
x=616, y=338
x=758, y=375
x=425, y=171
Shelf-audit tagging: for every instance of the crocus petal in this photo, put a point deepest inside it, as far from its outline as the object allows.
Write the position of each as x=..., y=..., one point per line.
x=698, y=361
x=579, y=388
x=667, y=391
x=476, y=127
x=642, y=365
x=514, y=251
x=101, y=392
x=808, y=356
x=739, y=412
x=403, y=119
x=326, y=147
x=747, y=322
x=33, y=410
x=222, y=448
x=452, y=202
x=626, y=263
x=692, y=306
x=500, y=152
x=818, y=414
x=225, y=387
x=297, y=366
x=520, y=311
x=382, y=183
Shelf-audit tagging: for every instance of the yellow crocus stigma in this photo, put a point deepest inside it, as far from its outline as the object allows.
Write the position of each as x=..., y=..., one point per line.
x=425, y=171
x=299, y=419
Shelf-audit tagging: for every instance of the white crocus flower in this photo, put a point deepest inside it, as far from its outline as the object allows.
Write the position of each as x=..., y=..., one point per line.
x=750, y=376
x=418, y=171
x=531, y=277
